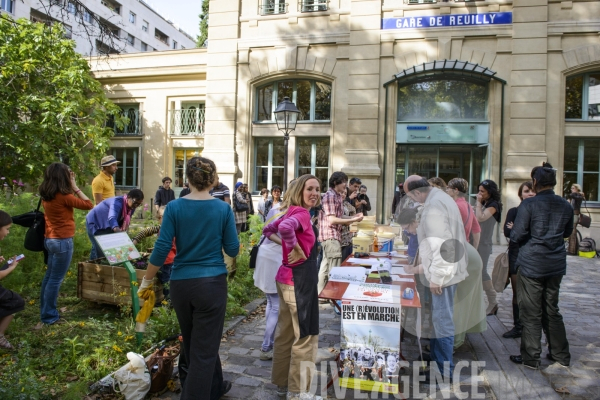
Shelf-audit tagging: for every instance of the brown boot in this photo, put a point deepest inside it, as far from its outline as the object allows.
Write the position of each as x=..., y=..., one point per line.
x=490, y=292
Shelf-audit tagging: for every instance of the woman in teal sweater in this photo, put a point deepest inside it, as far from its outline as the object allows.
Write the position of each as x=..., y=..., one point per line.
x=201, y=225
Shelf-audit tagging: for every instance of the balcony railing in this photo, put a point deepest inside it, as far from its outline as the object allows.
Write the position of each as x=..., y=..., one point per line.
x=270, y=8
x=187, y=122
x=313, y=5
x=131, y=128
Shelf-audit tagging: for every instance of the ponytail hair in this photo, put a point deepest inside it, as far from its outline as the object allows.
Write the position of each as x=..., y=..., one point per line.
x=544, y=176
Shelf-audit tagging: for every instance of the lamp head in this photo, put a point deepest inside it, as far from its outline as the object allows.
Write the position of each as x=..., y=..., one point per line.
x=286, y=115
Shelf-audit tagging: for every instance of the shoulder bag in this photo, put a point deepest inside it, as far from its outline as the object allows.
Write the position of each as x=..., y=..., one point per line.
x=585, y=220
x=34, y=220
x=238, y=205
x=254, y=251
x=500, y=272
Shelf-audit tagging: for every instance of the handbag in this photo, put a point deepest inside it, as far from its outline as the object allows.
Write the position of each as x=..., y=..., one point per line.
x=160, y=364
x=500, y=272
x=238, y=205
x=35, y=221
x=585, y=220
x=254, y=253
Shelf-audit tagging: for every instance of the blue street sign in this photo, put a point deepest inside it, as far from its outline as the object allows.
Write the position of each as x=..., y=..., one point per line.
x=447, y=20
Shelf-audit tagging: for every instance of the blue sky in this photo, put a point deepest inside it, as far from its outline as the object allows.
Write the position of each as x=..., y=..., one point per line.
x=182, y=12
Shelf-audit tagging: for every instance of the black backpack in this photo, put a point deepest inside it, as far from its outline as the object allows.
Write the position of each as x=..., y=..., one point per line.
x=587, y=245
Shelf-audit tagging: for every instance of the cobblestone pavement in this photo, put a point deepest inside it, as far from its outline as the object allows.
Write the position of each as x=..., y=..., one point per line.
x=580, y=308
x=500, y=379
x=251, y=377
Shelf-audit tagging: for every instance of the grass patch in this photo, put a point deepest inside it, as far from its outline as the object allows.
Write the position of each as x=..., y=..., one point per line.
x=61, y=361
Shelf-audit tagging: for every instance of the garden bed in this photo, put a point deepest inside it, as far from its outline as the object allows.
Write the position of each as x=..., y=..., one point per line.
x=107, y=284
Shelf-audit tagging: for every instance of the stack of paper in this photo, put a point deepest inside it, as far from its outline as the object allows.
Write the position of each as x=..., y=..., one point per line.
x=347, y=274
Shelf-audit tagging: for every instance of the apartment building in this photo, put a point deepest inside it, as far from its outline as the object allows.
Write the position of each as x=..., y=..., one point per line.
x=105, y=26
x=475, y=89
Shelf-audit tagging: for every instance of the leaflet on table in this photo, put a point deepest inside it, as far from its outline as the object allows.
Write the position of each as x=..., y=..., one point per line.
x=348, y=274
x=117, y=247
x=396, y=278
x=399, y=270
x=363, y=261
x=370, y=346
x=380, y=293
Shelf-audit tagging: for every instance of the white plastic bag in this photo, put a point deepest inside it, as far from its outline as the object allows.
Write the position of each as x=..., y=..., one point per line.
x=133, y=379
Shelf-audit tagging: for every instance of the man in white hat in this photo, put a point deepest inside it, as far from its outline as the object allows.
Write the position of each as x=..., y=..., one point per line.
x=103, y=185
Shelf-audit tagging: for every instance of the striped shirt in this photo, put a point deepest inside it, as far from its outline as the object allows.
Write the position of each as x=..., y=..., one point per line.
x=332, y=205
x=220, y=192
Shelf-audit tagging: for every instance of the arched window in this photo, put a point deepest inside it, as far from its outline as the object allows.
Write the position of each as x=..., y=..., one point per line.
x=313, y=99
x=444, y=100
x=582, y=97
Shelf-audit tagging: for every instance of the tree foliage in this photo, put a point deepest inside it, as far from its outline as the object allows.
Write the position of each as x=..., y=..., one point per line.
x=52, y=108
x=202, y=39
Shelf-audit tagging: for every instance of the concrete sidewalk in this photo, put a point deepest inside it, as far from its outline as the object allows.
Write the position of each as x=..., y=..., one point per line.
x=501, y=379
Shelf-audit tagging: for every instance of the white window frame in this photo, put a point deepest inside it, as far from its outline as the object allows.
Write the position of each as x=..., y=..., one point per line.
x=132, y=17
x=269, y=165
x=131, y=39
x=313, y=157
x=145, y=26
x=87, y=16
x=71, y=7
x=8, y=6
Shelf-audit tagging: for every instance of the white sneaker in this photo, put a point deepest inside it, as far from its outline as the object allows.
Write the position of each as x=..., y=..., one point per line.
x=303, y=396
x=309, y=396
x=266, y=355
x=282, y=391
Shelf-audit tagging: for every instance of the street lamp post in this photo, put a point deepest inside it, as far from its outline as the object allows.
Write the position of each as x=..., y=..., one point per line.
x=286, y=116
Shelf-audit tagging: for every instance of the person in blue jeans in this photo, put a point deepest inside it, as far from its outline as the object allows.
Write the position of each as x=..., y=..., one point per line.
x=60, y=195
x=443, y=262
x=110, y=216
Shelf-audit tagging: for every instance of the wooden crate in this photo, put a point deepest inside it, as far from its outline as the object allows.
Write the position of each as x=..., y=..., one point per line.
x=109, y=285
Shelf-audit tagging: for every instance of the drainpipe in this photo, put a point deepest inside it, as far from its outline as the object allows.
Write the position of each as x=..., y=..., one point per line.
x=383, y=202
x=501, y=152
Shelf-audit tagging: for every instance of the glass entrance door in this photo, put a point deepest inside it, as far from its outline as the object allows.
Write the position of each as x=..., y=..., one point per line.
x=449, y=161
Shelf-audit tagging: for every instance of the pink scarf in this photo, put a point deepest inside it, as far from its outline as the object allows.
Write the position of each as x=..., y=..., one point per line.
x=126, y=214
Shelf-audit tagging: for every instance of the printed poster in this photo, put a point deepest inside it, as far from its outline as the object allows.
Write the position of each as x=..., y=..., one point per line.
x=117, y=247
x=348, y=274
x=370, y=346
x=378, y=292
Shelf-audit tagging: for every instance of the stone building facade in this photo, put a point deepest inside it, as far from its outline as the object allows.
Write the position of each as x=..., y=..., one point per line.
x=477, y=89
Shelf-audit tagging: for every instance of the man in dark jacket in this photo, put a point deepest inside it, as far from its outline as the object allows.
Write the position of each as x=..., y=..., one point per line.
x=186, y=190
x=398, y=195
x=164, y=194
x=541, y=225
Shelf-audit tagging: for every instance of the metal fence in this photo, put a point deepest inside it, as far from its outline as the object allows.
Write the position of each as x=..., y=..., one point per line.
x=187, y=122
